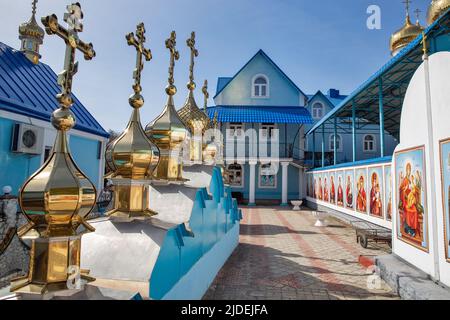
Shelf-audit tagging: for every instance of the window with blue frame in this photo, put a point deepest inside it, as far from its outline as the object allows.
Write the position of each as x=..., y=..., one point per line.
x=317, y=110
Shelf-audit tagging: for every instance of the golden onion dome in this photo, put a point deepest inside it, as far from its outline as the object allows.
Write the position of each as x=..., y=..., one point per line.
x=32, y=36
x=405, y=35
x=167, y=130
x=132, y=155
x=31, y=29
x=436, y=9
x=194, y=119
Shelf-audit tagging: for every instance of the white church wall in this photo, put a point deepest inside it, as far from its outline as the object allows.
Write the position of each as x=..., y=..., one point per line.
x=426, y=249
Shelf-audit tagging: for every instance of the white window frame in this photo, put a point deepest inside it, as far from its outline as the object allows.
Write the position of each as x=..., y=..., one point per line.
x=267, y=87
x=260, y=175
x=374, y=143
x=267, y=126
x=313, y=109
x=331, y=142
x=242, y=175
x=234, y=127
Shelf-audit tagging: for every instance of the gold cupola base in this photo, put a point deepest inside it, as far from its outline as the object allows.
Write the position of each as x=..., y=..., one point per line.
x=131, y=200
x=54, y=267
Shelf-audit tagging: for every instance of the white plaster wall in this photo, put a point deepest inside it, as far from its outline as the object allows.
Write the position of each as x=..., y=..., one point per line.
x=440, y=101
x=413, y=133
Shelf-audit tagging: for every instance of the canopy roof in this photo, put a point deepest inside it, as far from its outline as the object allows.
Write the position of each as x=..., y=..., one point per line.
x=393, y=78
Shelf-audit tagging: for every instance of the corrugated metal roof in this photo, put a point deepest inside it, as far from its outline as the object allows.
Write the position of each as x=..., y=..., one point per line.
x=30, y=90
x=259, y=114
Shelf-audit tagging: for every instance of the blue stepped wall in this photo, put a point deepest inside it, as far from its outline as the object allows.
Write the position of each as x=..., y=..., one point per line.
x=214, y=227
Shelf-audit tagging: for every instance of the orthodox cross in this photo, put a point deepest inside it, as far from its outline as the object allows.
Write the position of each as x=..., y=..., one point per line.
x=174, y=55
x=417, y=12
x=205, y=94
x=33, y=6
x=70, y=36
x=407, y=3
x=194, y=53
x=141, y=51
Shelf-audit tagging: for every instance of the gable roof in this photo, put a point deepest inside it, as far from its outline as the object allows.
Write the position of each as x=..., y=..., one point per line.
x=261, y=52
x=30, y=90
x=332, y=101
x=222, y=82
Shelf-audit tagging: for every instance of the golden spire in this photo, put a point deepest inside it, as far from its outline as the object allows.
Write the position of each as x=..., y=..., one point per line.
x=196, y=121
x=132, y=156
x=31, y=36
x=401, y=38
x=168, y=131
x=436, y=9
x=58, y=197
x=206, y=96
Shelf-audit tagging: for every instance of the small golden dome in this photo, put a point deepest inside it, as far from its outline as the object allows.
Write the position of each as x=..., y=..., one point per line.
x=132, y=155
x=194, y=119
x=32, y=36
x=436, y=9
x=167, y=130
x=405, y=35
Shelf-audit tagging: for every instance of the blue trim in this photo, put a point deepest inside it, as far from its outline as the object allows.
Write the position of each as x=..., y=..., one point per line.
x=260, y=51
x=355, y=164
x=389, y=65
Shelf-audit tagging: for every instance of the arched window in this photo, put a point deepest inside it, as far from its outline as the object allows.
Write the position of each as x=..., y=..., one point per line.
x=317, y=110
x=235, y=175
x=369, y=143
x=260, y=86
x=339, y=145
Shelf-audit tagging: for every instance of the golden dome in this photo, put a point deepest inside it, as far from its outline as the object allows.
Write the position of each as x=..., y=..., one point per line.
x=194, y=119
x=32, y=36
x=436, y=9
x=405, y=35
x=132, y=155
x=167, y=130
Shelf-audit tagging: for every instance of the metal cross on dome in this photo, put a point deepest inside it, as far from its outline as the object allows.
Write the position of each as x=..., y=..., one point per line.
x=174, y=55
x=70, y=36
x=138, y=42
x=194, y=53
x=407, y=4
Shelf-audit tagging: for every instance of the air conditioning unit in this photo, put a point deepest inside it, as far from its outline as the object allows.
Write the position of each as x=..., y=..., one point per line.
x=27, y=139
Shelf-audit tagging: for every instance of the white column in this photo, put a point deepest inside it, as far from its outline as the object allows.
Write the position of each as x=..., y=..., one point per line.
x=251, y=191
x=284, y=190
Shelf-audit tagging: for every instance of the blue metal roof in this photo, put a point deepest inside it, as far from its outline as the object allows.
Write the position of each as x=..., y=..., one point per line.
x=260, y=114
x=333, y=101
x=260, y=51
x=401, y=56
x=31, y=90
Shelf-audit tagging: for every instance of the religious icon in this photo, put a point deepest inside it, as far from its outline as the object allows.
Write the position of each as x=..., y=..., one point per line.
x=349, y=189
x=316, y=186
x=332, y=188
x=412, y=220
x=361, y=195
x=388, y=192
x=326, y=190
x=320, y=188
x=376, y=201
x=340, y=190
x=445, y=180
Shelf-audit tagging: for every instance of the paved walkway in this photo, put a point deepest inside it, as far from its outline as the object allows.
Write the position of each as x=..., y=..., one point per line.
x=283, y=256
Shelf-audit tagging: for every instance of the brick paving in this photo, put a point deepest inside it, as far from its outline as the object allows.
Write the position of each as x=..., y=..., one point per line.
x=282, y=255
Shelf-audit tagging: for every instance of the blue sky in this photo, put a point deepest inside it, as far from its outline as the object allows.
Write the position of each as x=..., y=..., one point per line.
x=319, y=44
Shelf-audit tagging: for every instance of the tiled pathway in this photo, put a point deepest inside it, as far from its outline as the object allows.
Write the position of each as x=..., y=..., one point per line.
x=283, y=256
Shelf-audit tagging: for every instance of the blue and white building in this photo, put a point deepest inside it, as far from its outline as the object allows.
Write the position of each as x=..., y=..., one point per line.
x=28, y=89
x=262, y=97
